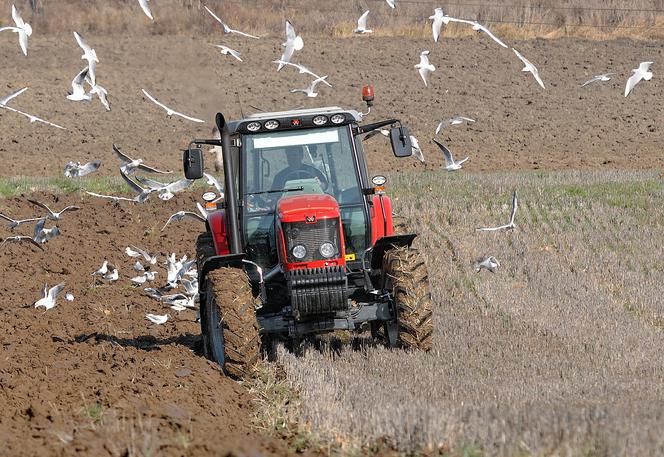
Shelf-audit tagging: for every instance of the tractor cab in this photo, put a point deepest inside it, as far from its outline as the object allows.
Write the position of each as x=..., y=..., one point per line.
x=305, y=224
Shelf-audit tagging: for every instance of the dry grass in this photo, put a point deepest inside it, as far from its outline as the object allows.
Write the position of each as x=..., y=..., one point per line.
x=518, y=19
x=558, y=353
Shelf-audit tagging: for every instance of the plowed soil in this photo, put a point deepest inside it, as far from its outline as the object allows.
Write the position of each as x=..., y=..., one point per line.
x=519, y=125
x=94, y=376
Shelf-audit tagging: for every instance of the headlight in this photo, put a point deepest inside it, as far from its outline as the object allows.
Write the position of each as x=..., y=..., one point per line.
x=319, y=120
x=327, y=250
x=254, y=126
x=338, y=118
x=271, y=125
x=299, y=251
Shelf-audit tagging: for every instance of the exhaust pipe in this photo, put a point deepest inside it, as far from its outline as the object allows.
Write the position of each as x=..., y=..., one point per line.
x=229, y=188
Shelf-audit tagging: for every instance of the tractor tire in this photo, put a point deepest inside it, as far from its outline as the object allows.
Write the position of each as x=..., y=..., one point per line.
x=406, y=276
x=228, y=322
x=204, y=247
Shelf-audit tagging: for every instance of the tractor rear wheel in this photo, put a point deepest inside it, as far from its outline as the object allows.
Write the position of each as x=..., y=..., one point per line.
x=228, y=322
x=406, y=276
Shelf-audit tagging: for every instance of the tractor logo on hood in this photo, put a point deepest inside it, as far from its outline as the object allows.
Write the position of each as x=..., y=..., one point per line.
x=310, y=219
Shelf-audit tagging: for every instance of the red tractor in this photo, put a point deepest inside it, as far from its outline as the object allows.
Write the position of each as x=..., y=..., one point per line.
x=303, y=242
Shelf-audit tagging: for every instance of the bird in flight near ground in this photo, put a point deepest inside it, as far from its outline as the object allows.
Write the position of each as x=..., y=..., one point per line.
x=424, y=67
x=529, y=67
x=450, y=163
x=510, y=225
x=643, y=72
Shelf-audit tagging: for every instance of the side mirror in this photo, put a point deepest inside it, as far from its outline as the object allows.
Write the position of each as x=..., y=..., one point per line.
x=192, y=161
x=400, y=139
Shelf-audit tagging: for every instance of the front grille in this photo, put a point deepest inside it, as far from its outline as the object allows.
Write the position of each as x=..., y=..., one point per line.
x=311, y=236
x=317, y=291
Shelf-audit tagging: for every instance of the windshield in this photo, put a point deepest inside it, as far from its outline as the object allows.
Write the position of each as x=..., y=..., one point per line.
x=312, y=161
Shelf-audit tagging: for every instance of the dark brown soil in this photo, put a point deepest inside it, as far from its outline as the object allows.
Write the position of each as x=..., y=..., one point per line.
x=519, y=125
x=93, y=376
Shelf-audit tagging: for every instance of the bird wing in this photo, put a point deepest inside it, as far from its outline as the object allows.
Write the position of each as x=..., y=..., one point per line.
x=154, y=100
x=290, y=32
x=537, y=77
x=515, y=204
x=151, y=169
x=77, y=82
x=70, y=208
x=424, y=73
x=424, y=59
x=416, y=151
x=18, y=20
x=645, y=66
x=189, y=118
x=54, y=291
x=490, y=229
x=145, y=255
x=111, y=197
x=631, y=82
x=146, y=8
x=316, y=81
x=23, y=238
x=390, y=3
x=23, y=41
x=7, y=218
x=362, y=21
x=180, y=185
x=8, y=98
x=183, y=215
x=488, y=32
x=523, y=59
x=449, y=160
x=13, y=29
x=121, y=155
x=212, y=181
x=89, y=167
x=41, y=205
x=81, y=42
x=151, y=183
x=227, y=29
x=39, y=226
x=237, y=32
x=31, y=117
x=132, y=184
x=590, y=81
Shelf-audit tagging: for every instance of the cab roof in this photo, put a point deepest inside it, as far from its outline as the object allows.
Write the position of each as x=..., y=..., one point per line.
x=329, y=110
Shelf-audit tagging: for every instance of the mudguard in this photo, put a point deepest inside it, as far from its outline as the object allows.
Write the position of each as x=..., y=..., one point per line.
x=386, y=243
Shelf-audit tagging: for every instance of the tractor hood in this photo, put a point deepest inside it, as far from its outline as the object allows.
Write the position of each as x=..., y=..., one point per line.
x=307, y=208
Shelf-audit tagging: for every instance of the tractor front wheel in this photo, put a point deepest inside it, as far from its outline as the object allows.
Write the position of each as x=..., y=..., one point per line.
x=405, y=275
x=228, y=322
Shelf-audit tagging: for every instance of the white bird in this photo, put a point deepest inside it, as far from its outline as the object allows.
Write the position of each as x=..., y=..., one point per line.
x=78, y=92
x=176, y=217
x=603, y=77
x=102, y=270
x=643, y=72
x=138, y=280
x=13, y=223
x=391, y=3
x=20, y=238
x=529, y=67
x=362, y=24
x=76, y=170
x=101, y=92
x=47, y=299
x=23, y=29
x=450, y=163
x=456, y=120
x=166, y=190
x=90, y=55
x=42, y=234
x=7, y=98
x=142, y=194
x=138, y=266
x=149, y=275
x=490, y=263
x=212, y=181
x=424, y=67
x=416, y=150
x=225, y=50
x=293, y=43
x=54, y=215
x=190, y=287
x=146, y=8
x=113, y=198
x=372, y=133
x=311, y=90
x=130, y=165
x=480, y=28
x=133, y=251
x=69, y=296
x=170, y=111
x=438, y=19
x=302, y=69
x=226, y=28
x=508, y=226
x=112, y=276
x=156, y=318
x=31, y=117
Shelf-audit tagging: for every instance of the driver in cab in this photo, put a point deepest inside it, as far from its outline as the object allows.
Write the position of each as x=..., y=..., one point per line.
x=296, y=169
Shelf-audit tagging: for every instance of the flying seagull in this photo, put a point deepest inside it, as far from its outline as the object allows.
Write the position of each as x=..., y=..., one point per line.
x=156, y=318
x=169, y=111
x=456, y=120
x=643, y=72
x=54, y=215
x=90, y=55
x=78, y=92
x=424, y=67
x=146, y=8
x=176, y=217
x=13, y=223
x=101, y=92
x=391, y=3
x=113, y=198
x=48, y=296
x=415, y=148
x=510, y=225
x=130, y=165
x=302, y=69
x=225, y=50
x=529, y=67
x=450, y=163
x=603, y=77
x=76, y=170
x=474, y=24
x=23, y=29
x=362, y=24
x=32, y=118
x=143, y=194
x=42, y=234
x=133, y=251
x=293, y=43
x=6, y=99
x=311, y=90
x=438, y=18
x=490, y=263
x=166, y=190
x=20, y=238
x=226, y=28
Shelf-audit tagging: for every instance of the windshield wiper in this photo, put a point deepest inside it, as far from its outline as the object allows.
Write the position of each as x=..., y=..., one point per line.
x=294, y=189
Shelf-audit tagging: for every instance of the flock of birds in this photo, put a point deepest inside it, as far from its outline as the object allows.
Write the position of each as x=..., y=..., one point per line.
x=85, y=87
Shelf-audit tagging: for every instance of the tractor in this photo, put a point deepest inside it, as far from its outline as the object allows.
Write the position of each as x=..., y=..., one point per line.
x=303, y=241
